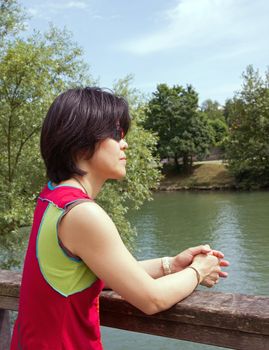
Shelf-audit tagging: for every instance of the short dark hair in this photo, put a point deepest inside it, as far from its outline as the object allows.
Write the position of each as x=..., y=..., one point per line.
x=76, y=121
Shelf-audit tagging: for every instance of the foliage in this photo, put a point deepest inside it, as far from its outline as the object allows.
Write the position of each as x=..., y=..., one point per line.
x=229, y=110
x=182, y=129
x=12, y=18
x=32, y=72
x=248, y=143
x=212, y=109
x=220, y=131
x=215, y=115
x=143, y=172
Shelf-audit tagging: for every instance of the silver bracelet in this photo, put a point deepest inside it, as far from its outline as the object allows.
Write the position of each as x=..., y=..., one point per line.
x=166, y=265
x=198, y=276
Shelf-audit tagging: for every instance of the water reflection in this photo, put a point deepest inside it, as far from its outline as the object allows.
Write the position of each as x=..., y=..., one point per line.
x=236, y=223
x=227, y=237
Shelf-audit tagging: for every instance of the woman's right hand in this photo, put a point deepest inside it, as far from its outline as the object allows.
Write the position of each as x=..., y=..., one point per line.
x=208, y=268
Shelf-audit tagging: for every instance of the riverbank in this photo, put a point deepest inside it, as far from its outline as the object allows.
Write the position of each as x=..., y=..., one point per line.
x=205, y=176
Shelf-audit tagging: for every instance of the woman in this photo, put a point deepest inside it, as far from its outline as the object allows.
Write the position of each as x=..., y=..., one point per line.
x=74, y=247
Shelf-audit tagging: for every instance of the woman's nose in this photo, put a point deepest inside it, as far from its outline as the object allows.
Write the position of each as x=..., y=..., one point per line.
x=123, y=144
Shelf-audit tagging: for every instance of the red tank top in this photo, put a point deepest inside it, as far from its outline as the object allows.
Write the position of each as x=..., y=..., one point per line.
x=59, y=294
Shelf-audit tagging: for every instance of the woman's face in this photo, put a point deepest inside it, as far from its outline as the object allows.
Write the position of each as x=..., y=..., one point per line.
x=109, y=159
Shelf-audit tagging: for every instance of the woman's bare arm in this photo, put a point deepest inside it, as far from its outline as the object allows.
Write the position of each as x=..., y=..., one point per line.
x=88, y=232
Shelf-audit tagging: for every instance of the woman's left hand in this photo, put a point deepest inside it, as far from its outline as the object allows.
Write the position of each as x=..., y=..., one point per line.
x=185, y=258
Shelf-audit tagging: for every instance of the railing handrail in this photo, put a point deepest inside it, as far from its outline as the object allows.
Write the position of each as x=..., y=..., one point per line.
x=229, y=320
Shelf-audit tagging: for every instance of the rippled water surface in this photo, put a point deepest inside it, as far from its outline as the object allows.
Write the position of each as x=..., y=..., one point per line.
x=236, y=223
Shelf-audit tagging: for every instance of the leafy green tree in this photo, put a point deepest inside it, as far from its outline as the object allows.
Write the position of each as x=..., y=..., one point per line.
x=12, y=17
x=220, y=131
x=32, y=72
x=212, y=109
x=228, y=110
x=248, y=143
x=215, y=114
x=183, y=131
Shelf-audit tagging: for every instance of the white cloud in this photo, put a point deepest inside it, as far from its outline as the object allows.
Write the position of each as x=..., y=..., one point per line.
x=47, y=10
x=69, y=5
x=48, y=7
x=198, y=23
x=32, y=11
x=39, y=12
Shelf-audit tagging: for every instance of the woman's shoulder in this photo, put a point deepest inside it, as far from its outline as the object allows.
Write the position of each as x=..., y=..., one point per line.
x=86, y=226
x=88, y=208
x=87, y=215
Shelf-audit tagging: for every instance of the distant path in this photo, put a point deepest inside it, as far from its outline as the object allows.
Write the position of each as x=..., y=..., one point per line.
x=219, y=161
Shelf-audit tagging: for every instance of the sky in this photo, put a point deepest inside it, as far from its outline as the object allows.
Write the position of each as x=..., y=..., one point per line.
x=205, y=43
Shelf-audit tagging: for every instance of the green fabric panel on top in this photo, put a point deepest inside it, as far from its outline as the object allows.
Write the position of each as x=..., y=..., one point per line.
x=63, y=273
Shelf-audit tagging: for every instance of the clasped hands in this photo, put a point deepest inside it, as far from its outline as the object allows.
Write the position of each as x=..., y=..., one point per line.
x=196, y=256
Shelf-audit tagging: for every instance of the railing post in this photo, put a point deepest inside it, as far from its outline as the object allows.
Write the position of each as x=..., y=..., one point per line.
x=5, y=330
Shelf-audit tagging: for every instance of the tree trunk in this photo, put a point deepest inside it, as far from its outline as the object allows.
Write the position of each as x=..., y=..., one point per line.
x=176, y=160
x=187, y=163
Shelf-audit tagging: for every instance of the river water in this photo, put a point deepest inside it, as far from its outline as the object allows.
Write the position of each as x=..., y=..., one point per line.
x=236, y=223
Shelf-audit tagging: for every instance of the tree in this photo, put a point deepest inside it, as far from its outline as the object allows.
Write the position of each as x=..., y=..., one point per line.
x=182, y=129
x=220, y=131
x=32, y=73
x=228, y=110
x=212, y=109
x=248, y=143
x=12, y=18
x=215, y=115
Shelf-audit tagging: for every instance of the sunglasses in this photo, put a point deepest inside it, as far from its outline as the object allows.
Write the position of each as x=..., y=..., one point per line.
x=117, y=134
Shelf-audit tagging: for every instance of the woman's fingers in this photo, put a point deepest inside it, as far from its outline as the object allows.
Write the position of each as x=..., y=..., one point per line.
x=205, y=249
x=223, y=274
x=200, y=249
x=213, y=278
x=219, y=271
x=224, y=263
x=218, y=254
x=216, y=274
x=209, y=283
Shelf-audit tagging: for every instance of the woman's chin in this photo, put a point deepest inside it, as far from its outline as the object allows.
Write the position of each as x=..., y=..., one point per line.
x=120, y=175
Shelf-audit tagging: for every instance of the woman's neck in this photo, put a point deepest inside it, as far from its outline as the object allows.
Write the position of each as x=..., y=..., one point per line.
x=91, y=185
x=86, y=183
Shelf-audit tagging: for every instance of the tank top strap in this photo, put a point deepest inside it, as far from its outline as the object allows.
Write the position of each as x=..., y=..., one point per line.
x=63, y=196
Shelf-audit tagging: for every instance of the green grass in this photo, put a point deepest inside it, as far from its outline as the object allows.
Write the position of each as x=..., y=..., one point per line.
x=203, y=176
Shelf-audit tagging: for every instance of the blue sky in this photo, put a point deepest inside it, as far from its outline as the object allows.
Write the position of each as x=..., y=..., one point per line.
x=206, y=43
